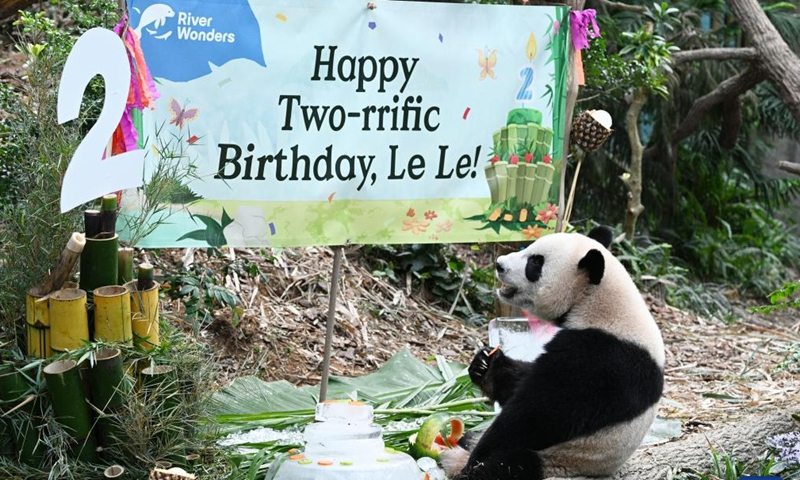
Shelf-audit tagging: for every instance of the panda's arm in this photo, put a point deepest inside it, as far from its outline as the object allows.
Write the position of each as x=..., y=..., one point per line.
x=497, y=375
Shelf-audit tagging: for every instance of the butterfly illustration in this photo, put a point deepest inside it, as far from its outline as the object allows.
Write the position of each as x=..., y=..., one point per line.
x=487, y=61
x=180, y=115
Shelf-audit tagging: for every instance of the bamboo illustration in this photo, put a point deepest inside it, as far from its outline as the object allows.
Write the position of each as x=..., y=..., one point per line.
x=512, y=180
x=37, y=319
x=70, y=408
x=501, y=171
x=112, y=314
x=491, y=178
x=108, y=386
x=69, y=321
x=17, y=404
x=99, y=263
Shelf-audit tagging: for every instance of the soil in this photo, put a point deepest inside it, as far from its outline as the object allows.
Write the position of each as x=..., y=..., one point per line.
x=716, y=372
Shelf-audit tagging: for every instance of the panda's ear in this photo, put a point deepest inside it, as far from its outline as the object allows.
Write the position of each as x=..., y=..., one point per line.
x=603, y=235
x=594, y=264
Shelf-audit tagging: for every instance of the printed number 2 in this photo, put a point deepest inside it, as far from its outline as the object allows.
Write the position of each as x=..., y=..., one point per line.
x=526, y=91
x=88, y=176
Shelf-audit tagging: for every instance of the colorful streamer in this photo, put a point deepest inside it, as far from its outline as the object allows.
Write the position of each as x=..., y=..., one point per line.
x=579, y=22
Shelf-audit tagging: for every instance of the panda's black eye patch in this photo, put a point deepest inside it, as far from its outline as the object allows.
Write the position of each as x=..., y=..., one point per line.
x=533, y=269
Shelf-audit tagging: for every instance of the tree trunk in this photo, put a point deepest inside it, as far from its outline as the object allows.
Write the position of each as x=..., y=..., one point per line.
x=775, y=57
x=634, y=182
x=745, y=440
x=10, y=8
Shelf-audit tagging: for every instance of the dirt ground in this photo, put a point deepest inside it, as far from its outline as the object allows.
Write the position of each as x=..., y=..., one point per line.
x=716, y=372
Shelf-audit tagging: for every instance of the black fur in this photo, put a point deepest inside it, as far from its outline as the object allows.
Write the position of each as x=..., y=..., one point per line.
x=533, y=269
x=594, y=264
x=602, y=234
x=586, y=380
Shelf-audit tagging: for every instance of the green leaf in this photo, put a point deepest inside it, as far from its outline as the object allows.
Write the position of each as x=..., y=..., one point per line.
x=194, y=235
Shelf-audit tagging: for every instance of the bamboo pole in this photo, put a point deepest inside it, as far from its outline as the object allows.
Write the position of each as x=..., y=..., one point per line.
x=109, y=388
x=99, y=263
x=114, y=471
x=91, y=223
x=69, y=321
x=15, y=404
x=145, y=277
x=69, y=257
x=108, y=216
x=37, y=320
x=124, y=265
x=70, y=408
x=144, y=316
x=112, y=314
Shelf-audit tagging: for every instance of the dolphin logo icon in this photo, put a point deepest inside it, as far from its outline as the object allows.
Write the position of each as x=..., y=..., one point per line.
x=157, y=15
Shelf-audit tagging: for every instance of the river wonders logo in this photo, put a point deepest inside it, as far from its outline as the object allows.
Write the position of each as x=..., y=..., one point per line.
x=190, y=27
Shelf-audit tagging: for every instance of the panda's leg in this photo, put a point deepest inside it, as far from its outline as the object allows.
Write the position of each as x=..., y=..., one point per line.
x=496, y=374
x=503, y=453
x=455, y=459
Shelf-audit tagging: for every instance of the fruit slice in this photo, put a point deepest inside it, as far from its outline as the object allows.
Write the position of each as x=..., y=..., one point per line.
x=437, y=433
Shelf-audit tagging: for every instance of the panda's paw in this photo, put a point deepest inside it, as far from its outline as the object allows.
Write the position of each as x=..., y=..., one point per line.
x=480, y=365
x=453, y=461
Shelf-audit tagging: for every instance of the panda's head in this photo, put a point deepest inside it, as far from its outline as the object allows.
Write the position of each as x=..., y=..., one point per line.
x=554, y=273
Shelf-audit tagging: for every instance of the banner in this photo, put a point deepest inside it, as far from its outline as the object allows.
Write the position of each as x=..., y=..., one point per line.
x=311, y=122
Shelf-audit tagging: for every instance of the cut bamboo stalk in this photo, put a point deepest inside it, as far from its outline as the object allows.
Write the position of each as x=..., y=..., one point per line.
x=145, y=277
x=109, y=388
x=114, y=471
x=144, y=316
x=91, y=223
x=37, y=319
x=112, y=314
x=69, y=257
x=160, y=386
x=70, y=408
x=108, y=217
x=69, y=321
x=124, y=265
x=174, y=473
x=99, y=266
x=18, y=411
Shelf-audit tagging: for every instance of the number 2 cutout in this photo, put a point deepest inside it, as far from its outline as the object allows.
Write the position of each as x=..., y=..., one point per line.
x=88, y=176
x=526, y=90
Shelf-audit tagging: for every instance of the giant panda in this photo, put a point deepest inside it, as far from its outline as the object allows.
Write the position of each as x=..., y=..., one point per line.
x=584, y=405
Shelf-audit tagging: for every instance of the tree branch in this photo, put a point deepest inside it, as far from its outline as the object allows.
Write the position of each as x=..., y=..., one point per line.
x=684, y=56
x=730, y=88
x=623, y=6
x=790, y=167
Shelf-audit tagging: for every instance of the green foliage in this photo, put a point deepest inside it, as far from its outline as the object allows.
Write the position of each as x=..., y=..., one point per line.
x=199, y=290
x=781, y=299
x=726, y=466
x=442, y=274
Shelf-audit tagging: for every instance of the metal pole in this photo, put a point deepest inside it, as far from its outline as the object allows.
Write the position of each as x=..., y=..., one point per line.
x=326, y=361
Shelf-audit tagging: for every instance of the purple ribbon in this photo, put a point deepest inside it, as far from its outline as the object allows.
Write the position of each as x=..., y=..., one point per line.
x=579, y=22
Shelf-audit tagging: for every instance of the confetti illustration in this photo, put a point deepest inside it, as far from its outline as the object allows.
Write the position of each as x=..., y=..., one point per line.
x=441, y=38
x=224, y=81
x=330, y=197
x=192, y=139
x=280, y=17
x=372, y=25
x=466, y=112
x=272, y=228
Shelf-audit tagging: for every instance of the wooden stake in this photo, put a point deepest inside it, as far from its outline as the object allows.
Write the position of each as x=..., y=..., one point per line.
x=334, y=291
x=69, y=257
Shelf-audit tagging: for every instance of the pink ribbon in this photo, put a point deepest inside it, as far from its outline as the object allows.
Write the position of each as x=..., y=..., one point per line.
x=579, y=22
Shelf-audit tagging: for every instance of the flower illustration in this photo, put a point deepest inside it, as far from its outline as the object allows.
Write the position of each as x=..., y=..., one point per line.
x=547, y=159
x=410, y=212
x=549, y=213
x=416, y=226
x=444, y=226
x=532, y=231
x=430, y=215
x=528, y=157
